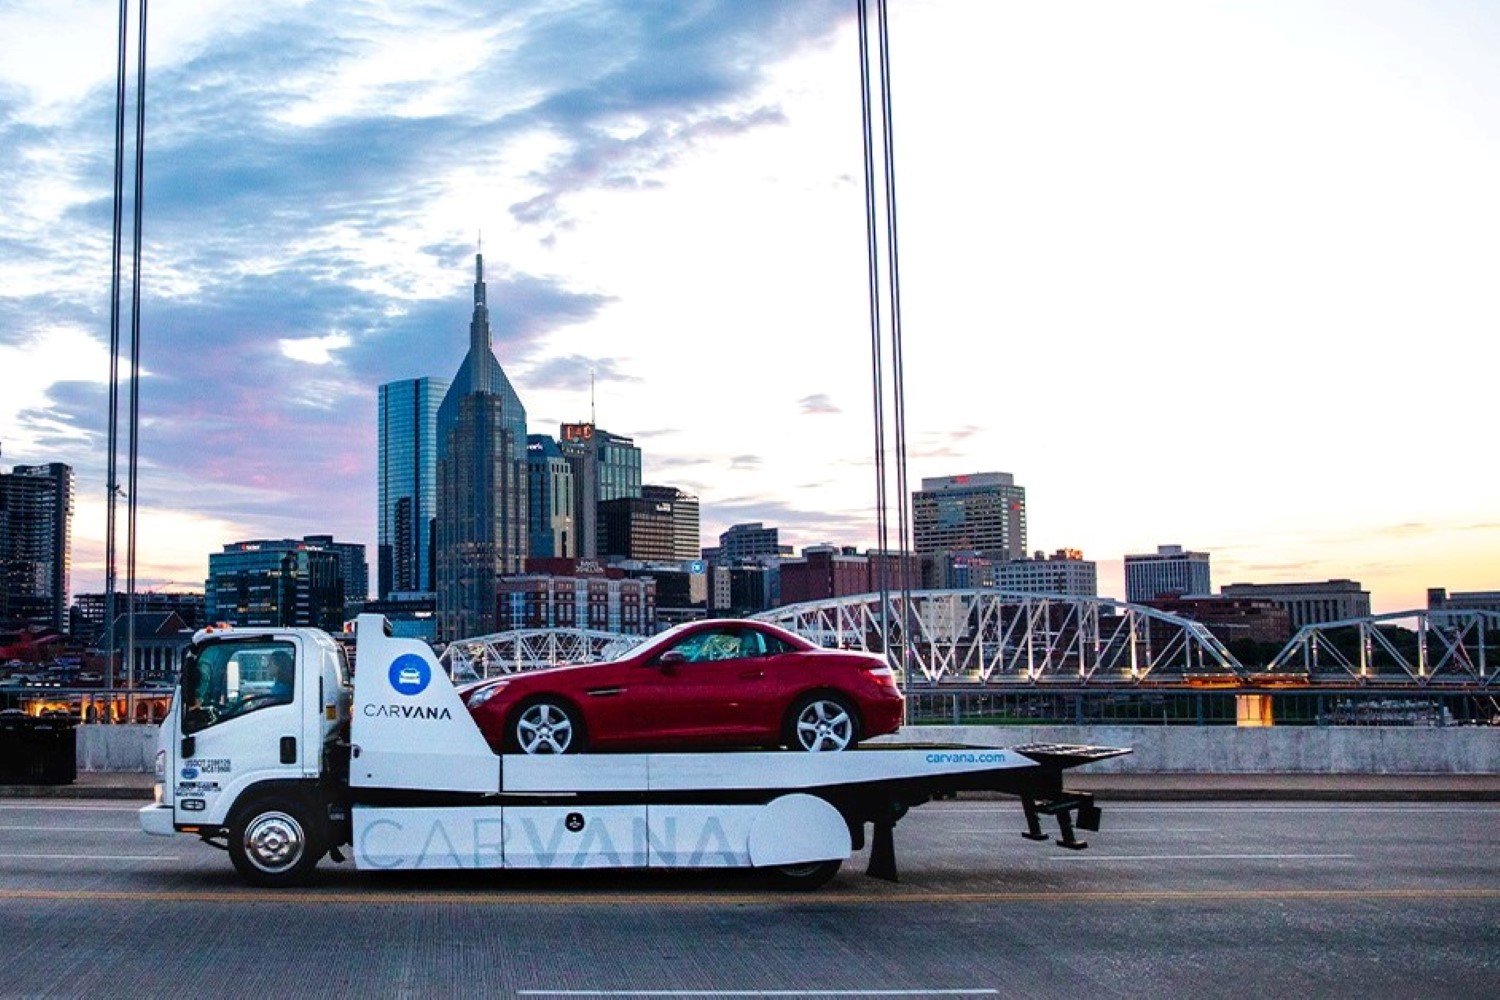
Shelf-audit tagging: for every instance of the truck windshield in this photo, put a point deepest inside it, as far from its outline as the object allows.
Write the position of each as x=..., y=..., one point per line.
x=225, y=680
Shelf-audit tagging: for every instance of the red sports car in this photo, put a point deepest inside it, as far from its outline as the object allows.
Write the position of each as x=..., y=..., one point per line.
x=705, y=683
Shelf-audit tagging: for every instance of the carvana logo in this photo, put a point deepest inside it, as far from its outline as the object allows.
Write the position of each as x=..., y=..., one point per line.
x=410, y=674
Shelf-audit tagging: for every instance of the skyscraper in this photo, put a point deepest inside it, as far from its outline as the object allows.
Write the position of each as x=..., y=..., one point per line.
x=312, y=581
x=605, y=467
x=1169, y=570
x=550, y=500
x=481, y=475
x=984, y=512
x=407, y=561
x=36, y=535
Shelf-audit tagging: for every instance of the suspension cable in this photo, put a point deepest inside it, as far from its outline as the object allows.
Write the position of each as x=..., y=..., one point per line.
x=135, y=349
x=111, y=485
x=876, y=352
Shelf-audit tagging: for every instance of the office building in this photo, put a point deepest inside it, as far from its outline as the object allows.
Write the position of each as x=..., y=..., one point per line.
x=605, y=467
x=286, y=581
x=982, y=513
x=1438, y=599
x=88, y=612
x=1064, y=572
x=660, y=525
x=687, y=544
x=1231, y=618
x=406, y=558
x=751, y=540
x=482, y=520
x=36, y=536
x=1170, y=572
x=824, y=572
x=569, y=593
x=1308, y=603
x=550, y=500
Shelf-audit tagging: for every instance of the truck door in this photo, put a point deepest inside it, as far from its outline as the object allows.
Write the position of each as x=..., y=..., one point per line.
x=241, y=721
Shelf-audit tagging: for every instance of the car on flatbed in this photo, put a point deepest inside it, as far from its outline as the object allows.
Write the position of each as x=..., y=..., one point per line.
x=714, y=683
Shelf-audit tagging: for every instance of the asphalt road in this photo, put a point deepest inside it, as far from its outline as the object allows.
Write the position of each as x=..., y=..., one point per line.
x=1172, y=899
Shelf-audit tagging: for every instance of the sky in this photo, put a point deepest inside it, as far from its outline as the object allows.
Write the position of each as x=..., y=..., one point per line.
x=1212, y=274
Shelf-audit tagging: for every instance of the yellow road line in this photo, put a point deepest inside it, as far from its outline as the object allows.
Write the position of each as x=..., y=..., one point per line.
x=896, y=896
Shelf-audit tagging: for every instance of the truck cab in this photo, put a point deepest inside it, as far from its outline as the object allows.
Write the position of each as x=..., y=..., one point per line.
x=258, y=714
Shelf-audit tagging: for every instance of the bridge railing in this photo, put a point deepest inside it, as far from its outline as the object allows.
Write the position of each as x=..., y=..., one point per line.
x=1177, y=707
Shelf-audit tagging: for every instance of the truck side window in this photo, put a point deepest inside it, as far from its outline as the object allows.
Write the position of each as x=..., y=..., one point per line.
x=226, y=680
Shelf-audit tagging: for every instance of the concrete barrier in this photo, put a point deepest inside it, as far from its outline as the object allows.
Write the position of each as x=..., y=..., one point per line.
x=1177, y=749
x=1254, y=750
x=117, y=748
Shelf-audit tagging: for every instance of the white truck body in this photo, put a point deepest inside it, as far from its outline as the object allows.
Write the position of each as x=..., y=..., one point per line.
x=392, y=764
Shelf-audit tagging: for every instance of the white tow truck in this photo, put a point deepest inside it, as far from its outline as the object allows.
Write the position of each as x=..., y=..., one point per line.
x=276, y=752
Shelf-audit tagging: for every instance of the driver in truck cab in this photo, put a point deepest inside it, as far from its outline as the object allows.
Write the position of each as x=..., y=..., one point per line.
x=282, y=672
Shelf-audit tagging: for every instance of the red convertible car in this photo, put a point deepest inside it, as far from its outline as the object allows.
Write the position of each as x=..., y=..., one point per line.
x=705, y=683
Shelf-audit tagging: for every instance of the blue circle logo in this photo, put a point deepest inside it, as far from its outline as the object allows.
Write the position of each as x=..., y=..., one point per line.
x=189, y=773
x=410, y=674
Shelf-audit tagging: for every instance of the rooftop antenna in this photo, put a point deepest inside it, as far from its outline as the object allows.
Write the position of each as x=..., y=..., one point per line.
x=592, y=418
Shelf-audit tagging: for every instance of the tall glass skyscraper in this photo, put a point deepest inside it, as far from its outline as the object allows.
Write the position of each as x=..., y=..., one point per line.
x=407, y=561
x=36, y=536
x=550, y=503
x=605, y=467
x=481, y=495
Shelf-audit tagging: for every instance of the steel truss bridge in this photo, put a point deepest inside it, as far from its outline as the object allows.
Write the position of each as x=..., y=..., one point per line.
x=993, y=637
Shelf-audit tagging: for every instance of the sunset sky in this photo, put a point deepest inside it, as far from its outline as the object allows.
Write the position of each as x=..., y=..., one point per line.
x=1220, y=275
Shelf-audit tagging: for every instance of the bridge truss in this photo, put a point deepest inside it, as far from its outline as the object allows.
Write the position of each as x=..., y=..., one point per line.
x=994, y=636
x=527, y=649
x=1422, y=646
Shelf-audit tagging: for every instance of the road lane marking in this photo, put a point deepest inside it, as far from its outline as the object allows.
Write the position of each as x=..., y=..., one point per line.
x=40, y=805
x=92, y=857
x=77, y=829
x=759, y=993
x=1200, y=857
x=282, y=897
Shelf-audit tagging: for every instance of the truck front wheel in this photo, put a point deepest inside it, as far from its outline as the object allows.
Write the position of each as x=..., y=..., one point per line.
x=274, y=842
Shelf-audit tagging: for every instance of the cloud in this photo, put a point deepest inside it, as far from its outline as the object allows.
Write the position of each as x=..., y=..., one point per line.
x=817, y=404
x=572, y=373
x=750, y=462
x=314, y=350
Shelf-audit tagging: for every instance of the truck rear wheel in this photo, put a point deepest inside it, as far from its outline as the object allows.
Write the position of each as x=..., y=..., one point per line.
x=274, y=842
x=804, y=877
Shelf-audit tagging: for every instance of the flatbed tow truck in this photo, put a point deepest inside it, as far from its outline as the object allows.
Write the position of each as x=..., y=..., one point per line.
x=276, y=752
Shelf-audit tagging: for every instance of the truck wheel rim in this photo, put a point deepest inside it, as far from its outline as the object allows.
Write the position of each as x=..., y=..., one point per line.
x=544, y=729
x=824, y=725
x=274, y=841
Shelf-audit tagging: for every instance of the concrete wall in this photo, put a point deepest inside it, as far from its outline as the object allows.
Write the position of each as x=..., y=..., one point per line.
x=1254, y=750
x=1189, y=749
x=117, y=748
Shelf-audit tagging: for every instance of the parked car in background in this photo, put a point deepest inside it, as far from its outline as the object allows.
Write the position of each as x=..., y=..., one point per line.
x=716, y=683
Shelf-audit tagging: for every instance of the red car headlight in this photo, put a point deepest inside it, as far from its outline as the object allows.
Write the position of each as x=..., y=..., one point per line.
x=484, y=694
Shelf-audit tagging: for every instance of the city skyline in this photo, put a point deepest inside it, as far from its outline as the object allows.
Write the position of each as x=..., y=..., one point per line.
x=1193, y=273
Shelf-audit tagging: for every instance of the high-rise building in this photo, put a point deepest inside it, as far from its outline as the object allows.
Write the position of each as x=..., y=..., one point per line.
x=549, y=502
x=681, y=508
x=36, y=535
x=984, y=513
x=281, y=582
x=635, y=528
x=751, y=540
x=1169, y=571
x=1064, y=572
x=605, y=467
x=407, y=558
x=482, y=522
